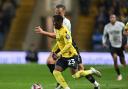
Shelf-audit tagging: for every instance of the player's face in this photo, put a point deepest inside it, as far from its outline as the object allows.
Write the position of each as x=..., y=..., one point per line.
x=60, y=11
x=112, y=18
x=57, y=24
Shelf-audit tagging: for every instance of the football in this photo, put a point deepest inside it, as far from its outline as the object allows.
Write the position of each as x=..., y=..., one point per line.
x=36, y=86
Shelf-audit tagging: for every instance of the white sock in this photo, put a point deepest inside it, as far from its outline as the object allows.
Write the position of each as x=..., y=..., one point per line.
x=67, y=88
x=96, y=84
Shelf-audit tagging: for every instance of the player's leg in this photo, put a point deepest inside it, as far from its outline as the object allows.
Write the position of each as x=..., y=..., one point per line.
x=60, y=66
x=73, y=63
x=122, y=60
x=122, y=57
x=119, y=76
x=93, y=81
x=51, y=63
x=89, y=77
x=81, y=67
x=114, y=53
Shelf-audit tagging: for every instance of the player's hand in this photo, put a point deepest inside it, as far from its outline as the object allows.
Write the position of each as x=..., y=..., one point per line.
x=39, y=30
x=54, y=56
x=125, y=32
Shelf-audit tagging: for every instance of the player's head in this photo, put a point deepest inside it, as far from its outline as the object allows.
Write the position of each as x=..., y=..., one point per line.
x=112, y=18
x=60, y=10
x=58, y=21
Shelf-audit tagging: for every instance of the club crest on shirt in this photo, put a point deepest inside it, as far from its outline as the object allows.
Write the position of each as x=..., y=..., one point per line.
x=67, y=36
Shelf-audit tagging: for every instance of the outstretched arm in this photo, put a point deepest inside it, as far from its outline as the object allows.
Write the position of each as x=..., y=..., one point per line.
x=39, y=30
x=125, y=32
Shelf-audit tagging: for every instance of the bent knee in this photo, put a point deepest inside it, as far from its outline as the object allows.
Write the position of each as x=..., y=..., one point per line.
x=76, y=76
x=55, y=72
x=50, y=60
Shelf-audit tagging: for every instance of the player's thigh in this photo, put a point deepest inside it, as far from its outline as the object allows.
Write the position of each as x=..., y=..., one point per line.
x=61, y=64
x=80, y=66
x=58, y=68
x=50, y=59
x=114, y=53
x=73, y=71
x=121, y=56
x=114, y=56
x=73, y=64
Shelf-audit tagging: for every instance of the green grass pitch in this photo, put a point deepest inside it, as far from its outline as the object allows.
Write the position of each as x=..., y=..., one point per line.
x=22, y=76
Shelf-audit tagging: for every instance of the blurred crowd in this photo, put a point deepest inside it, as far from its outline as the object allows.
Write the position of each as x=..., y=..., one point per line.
x=105, y=8
x=7, y=12
x=84, y=6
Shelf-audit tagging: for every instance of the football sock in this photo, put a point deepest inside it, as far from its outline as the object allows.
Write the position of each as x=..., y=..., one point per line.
x=67, y=88
x=92, y=80
x=96, y=84
x=82, y=73
x=51, y=67
x=59, y=78
x=118, y=71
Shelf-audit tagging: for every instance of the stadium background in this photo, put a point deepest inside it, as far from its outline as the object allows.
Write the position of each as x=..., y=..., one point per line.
x=18, y=18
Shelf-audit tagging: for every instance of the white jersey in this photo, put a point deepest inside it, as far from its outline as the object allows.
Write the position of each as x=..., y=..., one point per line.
x=115, y=34
x=66, y=22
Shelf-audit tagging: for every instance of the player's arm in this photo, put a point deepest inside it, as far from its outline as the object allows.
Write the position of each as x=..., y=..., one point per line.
x=55, y=48
x=125, y=32
x=68, y=42
x=39, y=30
x=104, y=37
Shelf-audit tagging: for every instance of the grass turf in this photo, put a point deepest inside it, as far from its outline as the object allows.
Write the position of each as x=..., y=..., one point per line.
x=22, y=76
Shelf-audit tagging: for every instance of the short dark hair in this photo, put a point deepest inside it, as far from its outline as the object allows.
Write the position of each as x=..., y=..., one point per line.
x=58, y=21
x=58, y=18
x=60, y=6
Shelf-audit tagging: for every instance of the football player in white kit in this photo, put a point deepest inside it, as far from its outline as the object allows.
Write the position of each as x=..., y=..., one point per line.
x=60, y=9
x=113, y=31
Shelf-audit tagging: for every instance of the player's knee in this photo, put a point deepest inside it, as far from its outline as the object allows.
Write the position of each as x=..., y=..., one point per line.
x=115, y=56
x=55, y=72
x=51, y=61
x=76, y=76
x=80, y=67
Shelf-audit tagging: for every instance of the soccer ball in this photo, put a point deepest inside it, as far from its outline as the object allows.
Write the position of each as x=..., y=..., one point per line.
x=36, y=86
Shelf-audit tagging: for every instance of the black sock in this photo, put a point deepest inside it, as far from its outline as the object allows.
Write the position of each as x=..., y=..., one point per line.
x=51, y=67
x=90, y=78
x=96, y=88
x=117, y=71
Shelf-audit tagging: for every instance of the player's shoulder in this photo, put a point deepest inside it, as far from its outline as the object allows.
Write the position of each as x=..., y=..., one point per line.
x=119, y=22
x=66, y=20
x=65, y=28
x=107, y=25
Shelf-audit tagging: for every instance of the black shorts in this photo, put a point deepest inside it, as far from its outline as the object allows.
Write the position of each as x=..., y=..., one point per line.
x=118, y=51
x=68, y=62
